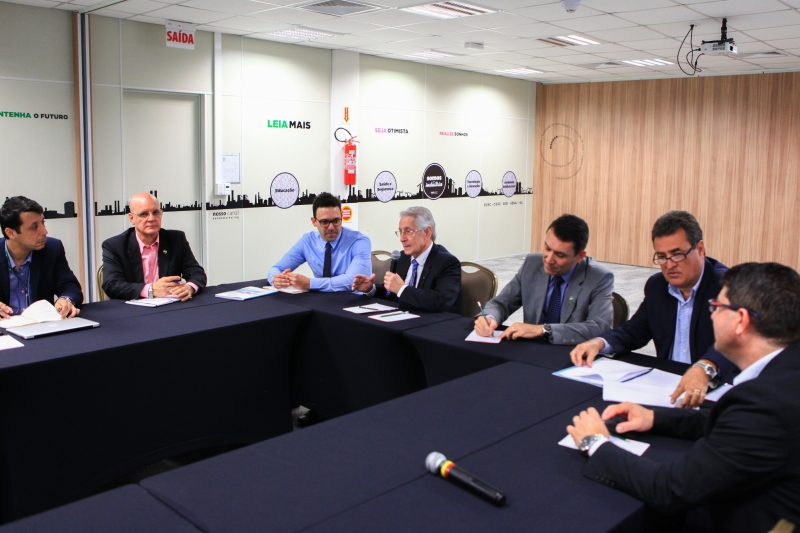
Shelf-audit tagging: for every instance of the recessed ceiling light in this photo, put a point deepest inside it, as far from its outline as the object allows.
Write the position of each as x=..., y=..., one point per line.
x=756, y=55
x=568, y=40
x=301, y=34
x=448, y=10
x=339, y=8
x=520, y=71
x=428, y=55
x=648, y=62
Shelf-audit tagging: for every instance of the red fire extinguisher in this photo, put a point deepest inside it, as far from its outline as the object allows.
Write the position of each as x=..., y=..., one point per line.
x=350, y=162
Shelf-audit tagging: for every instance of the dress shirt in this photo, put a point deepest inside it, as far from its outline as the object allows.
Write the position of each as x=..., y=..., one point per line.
x=421, y=264
x=350, y=255
x=754, y=370
x=551, y=285
x=680, y=346
x=19, y=283
x=150, y=265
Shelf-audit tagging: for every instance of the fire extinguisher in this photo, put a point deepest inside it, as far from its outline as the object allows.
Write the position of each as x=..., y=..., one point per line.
x=349, y=157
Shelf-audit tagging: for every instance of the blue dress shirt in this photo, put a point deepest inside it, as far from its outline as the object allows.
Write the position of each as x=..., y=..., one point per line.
x=552, y=285
x=19, y=283
x=680, y=346
x=350, y=255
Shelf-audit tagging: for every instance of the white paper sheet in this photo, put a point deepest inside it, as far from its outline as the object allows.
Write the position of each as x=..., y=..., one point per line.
x=397, y=316
x=154, y=302
x=36, y=313
x=474, y=337
x=603, y=371
x=7, y=342
x=634, y=446
x=247, y=293
x=290, y=290
x=371, y=308
x=653, y=389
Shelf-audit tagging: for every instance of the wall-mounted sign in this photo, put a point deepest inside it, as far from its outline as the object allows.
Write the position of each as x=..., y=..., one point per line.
x=230, y=169
x=347, y=213
x=385, y=186
x=284, y=190
x=390, y=130
x=290, y=124
x=346, y=115
x=454, y=133
x=473, y=184
x=27, y=114
x=180, y=34
x=509, y=184
x=433, y=181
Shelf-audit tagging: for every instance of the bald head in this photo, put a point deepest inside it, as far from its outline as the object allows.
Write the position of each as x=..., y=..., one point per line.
x=145, y=215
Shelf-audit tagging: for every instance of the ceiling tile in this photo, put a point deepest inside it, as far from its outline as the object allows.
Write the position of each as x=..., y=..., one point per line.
x=288, y=15
x=234, y=7
x=558, y=51
x=439, y=27
x=784, y=44
x=35, y=3
x=229, y=31
x=536, y=62
x=433, y=42
x=148, y=19
x=497, y=20
x=633, y=54
x=596, y=23
x=518, y=44
x=774, y=19
x=704, y=29
x=536, y=31
x=580, y=59
x=342, y=25
x=82, y=2
x=250, y=24
x=506, y=5
x=66, y=7
x=661, y=16
x=350, y=41
x=137, y=7
x=105, y=12
x=625, y=35
x=392, y=48
x=793, y=3
x=389, y=35
x=620, y=6
x=554, y=11
x=651, y=44
x=729, y=8
x=391, y=18
x=784, y=32
x=480, y=36
x=188, y=14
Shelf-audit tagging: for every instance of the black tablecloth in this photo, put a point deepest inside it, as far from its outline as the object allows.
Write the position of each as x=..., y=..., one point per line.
x=129, y=509
x=543, y=483
x=344, y=362
x=446, y=355
x=297, y=480
x=78, y=410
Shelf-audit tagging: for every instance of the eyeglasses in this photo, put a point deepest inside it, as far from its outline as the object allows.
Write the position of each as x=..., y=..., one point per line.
x=156, y=213
x=334, y=222
x=406, y=232
x=713, y=305
x=677, y=258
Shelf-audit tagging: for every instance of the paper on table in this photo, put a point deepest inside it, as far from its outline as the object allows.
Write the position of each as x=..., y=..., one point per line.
x=36, y=313
x=397, y=316
x=718, y=393
x=494, y=339
x=602, y=371
x=288, y=290
x=247, y=293
x=154, y=302
x=634, y=446
x=653, y=389
x=371, y=308
x=7, y=342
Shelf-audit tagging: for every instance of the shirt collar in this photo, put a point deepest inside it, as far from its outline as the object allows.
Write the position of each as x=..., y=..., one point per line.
x=322, y=242
x=676, y=292
x=754, y=370
x=566, y=277
x=11, y=263
x=424, y=255
x=142, y=245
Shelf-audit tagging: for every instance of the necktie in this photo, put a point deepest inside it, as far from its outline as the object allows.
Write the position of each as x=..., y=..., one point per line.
x=413, y=281
x=553, y=314
x=326, y=269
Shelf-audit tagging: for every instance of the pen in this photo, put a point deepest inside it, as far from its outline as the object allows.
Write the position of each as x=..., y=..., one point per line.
x=178, y=281
x=615, y=434
x=640, y=375
x=484, y=314
x=392, y=314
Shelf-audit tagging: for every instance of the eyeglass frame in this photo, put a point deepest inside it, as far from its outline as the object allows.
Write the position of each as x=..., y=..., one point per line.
x=325, y=222
x=158, y=213
x=713, y=305
x=672, y=257
x=407, y=233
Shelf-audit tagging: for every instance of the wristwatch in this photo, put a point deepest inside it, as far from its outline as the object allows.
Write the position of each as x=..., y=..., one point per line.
x=548, y=330
x=711, y=372
x=150, y=291
x=588, y=441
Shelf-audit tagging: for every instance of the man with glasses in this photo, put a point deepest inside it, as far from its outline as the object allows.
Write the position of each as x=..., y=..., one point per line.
x=743, y=472
x=428, y=276
x=673, y=313
x=334, y=254
x=34, y=265
x=146, y=261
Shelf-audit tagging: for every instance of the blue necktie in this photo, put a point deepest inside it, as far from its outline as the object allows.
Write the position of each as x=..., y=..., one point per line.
x=413, y=281
x=326, y=268
x=553, y=314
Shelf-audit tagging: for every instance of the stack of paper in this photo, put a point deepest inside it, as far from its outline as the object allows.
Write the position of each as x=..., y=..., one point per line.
x=603, y=371
x=633, y=446
x=653, y=389
x=36, y=313
x=247, y=293
x=154, y=302
x=474, y=337
x=371, y=308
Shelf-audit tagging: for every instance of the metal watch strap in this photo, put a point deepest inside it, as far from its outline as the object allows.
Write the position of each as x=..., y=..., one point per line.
x=150, y=291
x=710, y=371
x=548, y=331
x=588, y=441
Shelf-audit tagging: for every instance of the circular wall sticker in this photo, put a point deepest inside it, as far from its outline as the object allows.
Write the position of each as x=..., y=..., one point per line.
x=473, y=184
x=433, y=181
x=509, y=184
x=562, y=148
x=284, y=190
x=385, y=186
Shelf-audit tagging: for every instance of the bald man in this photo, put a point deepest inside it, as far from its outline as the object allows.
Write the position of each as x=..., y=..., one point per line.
x=146, y=261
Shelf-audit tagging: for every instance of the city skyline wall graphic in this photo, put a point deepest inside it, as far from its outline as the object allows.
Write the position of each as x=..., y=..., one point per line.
x=354, y=196
x=69, y=211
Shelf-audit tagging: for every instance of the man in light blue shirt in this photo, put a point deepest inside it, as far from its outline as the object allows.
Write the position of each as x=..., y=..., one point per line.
x=335, y=254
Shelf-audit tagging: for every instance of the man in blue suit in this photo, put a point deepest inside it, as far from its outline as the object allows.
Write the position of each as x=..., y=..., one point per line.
x=674, y=313
x=35, y=266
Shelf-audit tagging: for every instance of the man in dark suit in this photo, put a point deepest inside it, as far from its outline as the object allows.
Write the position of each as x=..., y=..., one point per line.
x=428, y=276
x=743, y=473
x=35, y=266
x=673, y=312
x=147, y=261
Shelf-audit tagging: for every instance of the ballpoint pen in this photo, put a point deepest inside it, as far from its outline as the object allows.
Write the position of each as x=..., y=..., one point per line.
x=392, y=314
x=483, y=314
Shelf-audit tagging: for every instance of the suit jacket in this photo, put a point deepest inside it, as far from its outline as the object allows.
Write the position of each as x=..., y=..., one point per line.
x=50, y=275
x=586, y=311
x=439, y=286
x=744, y=469
x=655, y=319
x=123, y=277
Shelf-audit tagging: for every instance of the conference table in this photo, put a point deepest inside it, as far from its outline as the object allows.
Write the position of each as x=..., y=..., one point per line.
x=79, y=410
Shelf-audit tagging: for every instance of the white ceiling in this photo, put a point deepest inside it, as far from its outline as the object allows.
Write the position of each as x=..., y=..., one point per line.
x=627, y=30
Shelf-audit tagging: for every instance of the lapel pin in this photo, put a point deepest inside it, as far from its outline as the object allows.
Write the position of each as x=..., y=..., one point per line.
x=164, y=252
x=571, y=298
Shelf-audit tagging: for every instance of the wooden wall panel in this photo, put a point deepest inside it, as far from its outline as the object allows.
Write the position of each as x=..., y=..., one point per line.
x=621, y=154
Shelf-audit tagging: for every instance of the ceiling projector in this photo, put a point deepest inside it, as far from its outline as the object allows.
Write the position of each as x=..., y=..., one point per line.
x=723, y=46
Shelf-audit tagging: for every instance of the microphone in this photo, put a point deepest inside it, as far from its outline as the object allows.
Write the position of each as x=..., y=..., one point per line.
x=393, y=265
x=436, y=463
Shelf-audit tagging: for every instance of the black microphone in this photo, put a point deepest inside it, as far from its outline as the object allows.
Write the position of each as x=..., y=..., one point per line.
x=393, y=265
x=436, y=463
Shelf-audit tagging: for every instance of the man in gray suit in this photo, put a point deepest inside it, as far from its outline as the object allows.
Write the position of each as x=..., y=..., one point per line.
x=565, y=295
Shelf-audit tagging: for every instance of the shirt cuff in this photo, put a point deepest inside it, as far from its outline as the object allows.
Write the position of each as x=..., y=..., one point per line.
x=401, y=290
x=192, y=285
x=606, y=347
x=599, y=442
x=145, y=290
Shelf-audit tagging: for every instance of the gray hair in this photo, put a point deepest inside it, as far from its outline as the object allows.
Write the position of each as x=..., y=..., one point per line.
x=423, y=218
